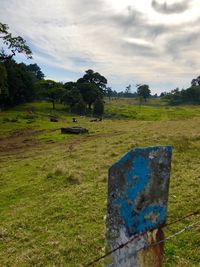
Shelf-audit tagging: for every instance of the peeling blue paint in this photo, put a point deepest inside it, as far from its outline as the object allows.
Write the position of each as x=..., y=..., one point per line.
x=137, y=178
x=149, y=223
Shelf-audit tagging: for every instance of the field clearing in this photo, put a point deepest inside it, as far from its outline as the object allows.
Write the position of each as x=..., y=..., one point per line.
x=53, y=187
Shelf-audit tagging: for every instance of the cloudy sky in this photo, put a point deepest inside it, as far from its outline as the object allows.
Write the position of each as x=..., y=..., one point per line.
x=128, y=41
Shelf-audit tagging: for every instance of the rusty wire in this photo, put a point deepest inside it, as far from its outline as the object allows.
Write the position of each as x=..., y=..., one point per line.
x=187, y=228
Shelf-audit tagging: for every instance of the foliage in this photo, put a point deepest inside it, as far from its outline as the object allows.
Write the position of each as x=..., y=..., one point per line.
x=20, y=83
x=79, y=107
x=12, y=45
x=89, y=92
x=85, y=91
x=190, y=95
x=94, y=78
x=36, y=70
x=195, y=81
x=71, y=97
x=16, y=80
x=51, y=91
x=143, y=91
x=3, y=85
x=98, y=107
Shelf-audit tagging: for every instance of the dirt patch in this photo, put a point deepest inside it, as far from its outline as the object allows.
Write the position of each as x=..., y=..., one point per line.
x=20, y=140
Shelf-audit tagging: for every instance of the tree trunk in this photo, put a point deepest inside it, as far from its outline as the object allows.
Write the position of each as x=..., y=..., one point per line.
x=53, y=102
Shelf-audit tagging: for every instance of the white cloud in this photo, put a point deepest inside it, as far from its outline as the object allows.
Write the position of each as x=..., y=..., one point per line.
x=127, y=41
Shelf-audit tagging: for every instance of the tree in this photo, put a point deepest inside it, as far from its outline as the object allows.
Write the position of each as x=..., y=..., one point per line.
x=20, y=83
x=72, y=97
x=128, y=89
x=196, y=81
x=95, y=78
x=3, y=85
x=143, y=91
x=51, y=91
x=98, y=107
x=89, y=92
x=109, y=92
x=36, y=70
x=12, y=45
x=127, y=92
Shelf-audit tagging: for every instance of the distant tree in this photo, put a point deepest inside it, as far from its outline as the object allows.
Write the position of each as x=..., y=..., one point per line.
x=109, y=92
x=143, y=91
x=36, y=70
x=128, y=89
x=98, y=107
x=127, y=92
x=12, y=45
x=196, y=81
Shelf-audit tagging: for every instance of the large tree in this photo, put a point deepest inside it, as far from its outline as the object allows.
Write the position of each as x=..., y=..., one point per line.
x=20, y=83
x=95, y=78
x=12, y=45
x=90, y=92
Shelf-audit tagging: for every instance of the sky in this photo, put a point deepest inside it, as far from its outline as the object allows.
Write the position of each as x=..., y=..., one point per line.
x=155, y=42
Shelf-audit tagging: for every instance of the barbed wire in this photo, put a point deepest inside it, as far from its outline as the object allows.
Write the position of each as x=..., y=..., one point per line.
x=186, y=228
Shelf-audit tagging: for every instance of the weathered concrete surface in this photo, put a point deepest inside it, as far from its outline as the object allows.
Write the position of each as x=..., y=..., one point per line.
x=137, y=203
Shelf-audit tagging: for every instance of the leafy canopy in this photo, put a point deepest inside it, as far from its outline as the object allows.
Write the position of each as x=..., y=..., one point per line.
x=12, y=45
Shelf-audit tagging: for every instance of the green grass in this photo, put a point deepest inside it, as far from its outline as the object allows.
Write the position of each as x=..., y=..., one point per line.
x=53, y=187
x=154, y=110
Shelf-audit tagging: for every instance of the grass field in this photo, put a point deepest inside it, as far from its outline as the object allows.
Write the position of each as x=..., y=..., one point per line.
x=53, y=187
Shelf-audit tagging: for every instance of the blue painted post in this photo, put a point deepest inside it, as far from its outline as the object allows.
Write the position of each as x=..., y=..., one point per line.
x=138, y=188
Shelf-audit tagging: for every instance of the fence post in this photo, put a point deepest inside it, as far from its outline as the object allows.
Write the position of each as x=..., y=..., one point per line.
x=138, y=188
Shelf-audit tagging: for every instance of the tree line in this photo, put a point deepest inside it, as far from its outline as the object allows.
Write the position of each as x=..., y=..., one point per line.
x=190, y=95
x=20, y=83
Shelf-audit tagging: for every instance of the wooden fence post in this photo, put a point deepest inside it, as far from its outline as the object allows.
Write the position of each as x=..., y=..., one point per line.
x=138, y=188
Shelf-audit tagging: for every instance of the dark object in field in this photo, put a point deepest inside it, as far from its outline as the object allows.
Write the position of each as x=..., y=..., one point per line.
x=74, y=130
x=100, y=119
x=53, y=119
x=14, y=120
x=74, y=120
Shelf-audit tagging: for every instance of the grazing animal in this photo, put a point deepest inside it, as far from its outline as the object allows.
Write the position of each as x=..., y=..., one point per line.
x=74, y=120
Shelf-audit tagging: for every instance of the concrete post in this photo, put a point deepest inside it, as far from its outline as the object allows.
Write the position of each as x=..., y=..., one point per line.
x=137, y=203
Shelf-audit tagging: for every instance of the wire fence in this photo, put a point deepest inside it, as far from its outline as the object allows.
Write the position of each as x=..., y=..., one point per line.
x=185, y=229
